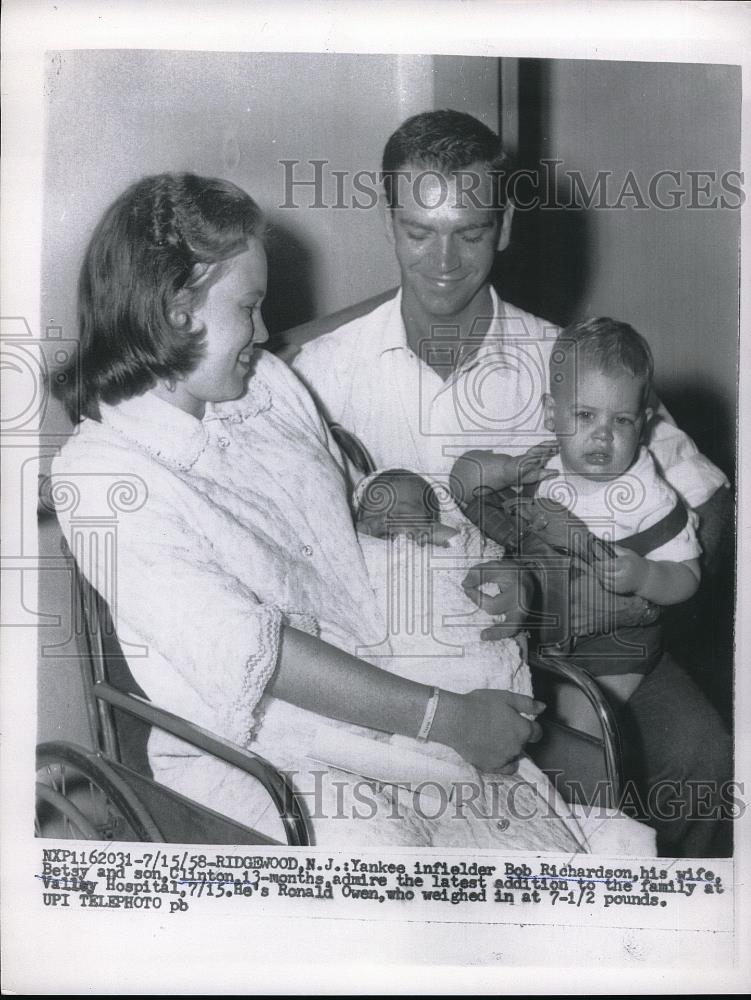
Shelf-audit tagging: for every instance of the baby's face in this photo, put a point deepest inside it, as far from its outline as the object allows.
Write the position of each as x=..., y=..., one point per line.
x=598, y=422
x=395, y=504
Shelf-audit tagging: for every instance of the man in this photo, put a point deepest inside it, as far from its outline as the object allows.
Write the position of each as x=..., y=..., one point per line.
x=446, y=369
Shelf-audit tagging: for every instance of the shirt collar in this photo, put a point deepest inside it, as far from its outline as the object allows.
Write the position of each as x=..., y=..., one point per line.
x=585, y=486
x=172, y=436
x=394, y=334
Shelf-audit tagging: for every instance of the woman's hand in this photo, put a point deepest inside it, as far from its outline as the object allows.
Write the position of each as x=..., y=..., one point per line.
x=486, y=727
x=503, y=589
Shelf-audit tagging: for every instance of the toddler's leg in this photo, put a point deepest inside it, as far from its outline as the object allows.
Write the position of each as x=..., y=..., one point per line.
x=573, y=709
x=620, y=687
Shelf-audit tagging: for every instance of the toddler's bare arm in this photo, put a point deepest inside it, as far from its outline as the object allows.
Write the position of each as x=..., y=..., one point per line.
x=659, y=581
x=476, y=469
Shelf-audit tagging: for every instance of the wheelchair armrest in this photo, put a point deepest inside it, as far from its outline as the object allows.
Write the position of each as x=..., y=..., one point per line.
x=562, y=669
x=277, y=786
x=353, y=449
x=102, y=654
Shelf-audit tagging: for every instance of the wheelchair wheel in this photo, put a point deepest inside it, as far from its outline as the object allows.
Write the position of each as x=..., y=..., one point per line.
x=79, y=797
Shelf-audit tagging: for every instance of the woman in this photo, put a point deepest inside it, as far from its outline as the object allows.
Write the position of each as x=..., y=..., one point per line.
x=239, y=571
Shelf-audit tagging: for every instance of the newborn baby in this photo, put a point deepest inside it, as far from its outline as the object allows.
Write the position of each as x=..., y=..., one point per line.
x=416, y=565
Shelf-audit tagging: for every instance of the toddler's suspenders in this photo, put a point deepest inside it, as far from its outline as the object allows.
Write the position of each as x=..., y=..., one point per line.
x=511, y=516
x=660, y=533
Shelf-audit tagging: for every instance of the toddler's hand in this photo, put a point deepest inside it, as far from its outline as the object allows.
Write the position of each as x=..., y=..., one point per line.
x=478, y=471
x=530, y=467
x=626, y=574
x=501, y=471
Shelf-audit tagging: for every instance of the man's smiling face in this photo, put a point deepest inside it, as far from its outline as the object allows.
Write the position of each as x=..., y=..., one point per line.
x=445, y=240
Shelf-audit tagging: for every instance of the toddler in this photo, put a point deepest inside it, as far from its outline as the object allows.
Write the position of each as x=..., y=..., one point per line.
x=598, y=406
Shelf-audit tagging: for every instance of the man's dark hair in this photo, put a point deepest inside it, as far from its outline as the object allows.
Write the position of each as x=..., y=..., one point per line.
x=447, y=142
x=147, y=266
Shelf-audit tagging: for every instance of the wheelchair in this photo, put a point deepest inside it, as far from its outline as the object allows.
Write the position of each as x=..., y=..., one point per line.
x=109, y=794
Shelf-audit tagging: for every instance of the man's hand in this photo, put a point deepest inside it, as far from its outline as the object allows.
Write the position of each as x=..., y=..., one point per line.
x=487, y=728
x=626, y=574
x=503, y=589
x=594, y=610
x=716, y=531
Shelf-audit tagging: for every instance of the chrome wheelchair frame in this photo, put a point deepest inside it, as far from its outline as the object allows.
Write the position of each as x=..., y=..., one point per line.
x=109, y=793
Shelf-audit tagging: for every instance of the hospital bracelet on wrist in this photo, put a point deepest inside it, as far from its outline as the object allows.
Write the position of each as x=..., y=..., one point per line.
x=430, y=709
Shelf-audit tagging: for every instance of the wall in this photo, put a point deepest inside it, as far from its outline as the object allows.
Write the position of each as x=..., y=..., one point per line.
x=673, y=274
